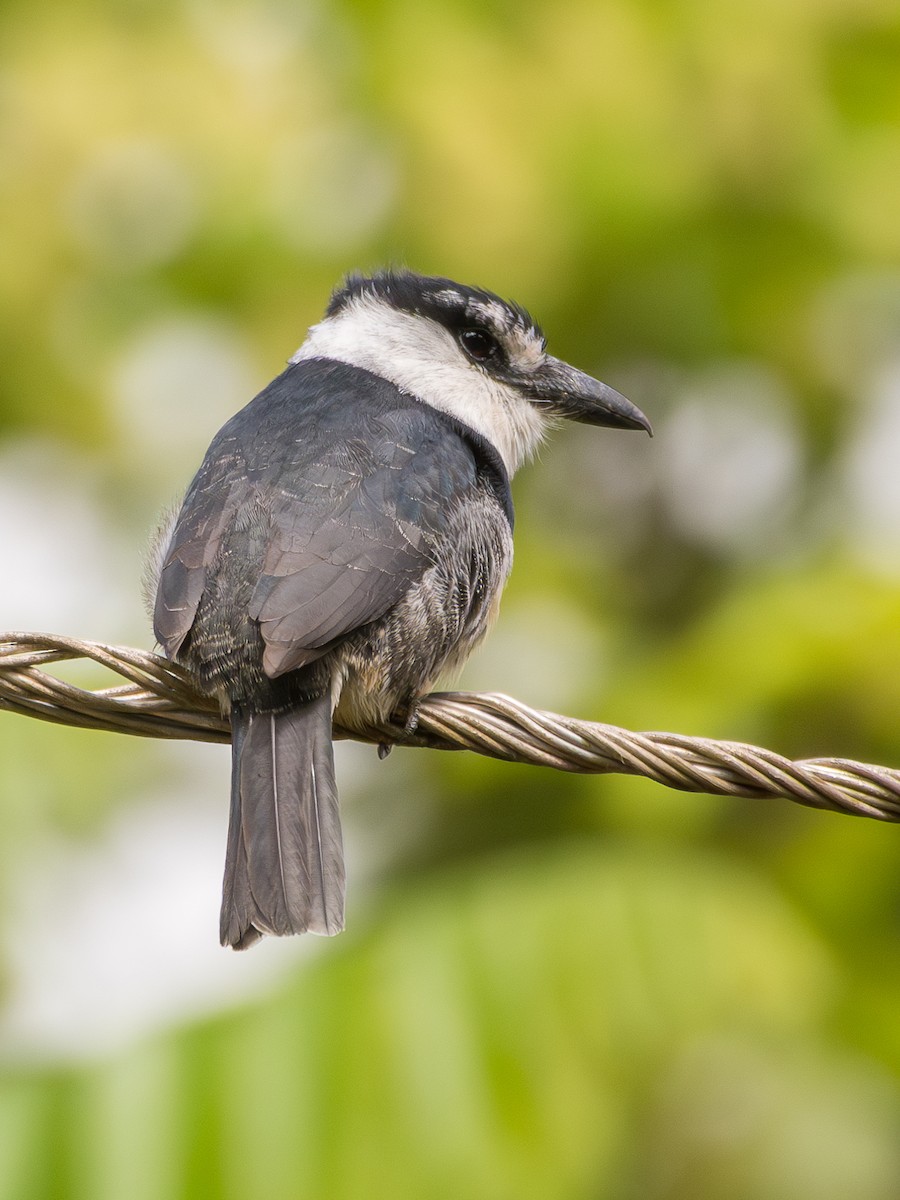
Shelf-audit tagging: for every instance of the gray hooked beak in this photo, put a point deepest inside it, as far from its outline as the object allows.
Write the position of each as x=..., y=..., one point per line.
x=566, y=392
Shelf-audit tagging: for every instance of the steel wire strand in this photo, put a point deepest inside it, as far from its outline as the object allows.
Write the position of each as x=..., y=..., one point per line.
x=158, y=699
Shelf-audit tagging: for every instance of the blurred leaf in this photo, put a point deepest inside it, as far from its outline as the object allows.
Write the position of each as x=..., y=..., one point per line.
x=493, y=1033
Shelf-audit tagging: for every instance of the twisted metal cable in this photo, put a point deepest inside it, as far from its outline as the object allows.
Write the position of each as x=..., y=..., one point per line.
x=160, y=700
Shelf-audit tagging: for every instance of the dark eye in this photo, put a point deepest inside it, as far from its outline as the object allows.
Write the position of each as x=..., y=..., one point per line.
x=479, y=345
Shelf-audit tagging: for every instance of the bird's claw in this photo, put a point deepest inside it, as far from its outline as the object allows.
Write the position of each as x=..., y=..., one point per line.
x=411, y=724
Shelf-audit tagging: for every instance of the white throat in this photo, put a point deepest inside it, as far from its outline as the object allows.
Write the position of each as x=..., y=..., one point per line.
x=423, y=359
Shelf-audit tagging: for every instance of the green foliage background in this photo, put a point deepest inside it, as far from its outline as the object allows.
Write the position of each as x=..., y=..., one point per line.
x=551, y=986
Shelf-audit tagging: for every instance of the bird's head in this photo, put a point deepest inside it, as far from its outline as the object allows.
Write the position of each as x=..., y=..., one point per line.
x=464, y=351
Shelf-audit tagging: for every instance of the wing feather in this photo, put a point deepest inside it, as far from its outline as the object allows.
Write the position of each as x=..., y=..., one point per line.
x=322, y=513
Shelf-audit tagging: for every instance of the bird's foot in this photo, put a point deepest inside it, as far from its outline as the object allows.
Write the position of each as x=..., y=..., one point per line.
x=411, y=724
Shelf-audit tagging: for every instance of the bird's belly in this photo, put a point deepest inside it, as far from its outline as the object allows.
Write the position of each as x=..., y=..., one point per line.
x=383, y=678
x=383, y=669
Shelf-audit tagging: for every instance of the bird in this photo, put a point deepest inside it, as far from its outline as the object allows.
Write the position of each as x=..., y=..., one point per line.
x=344, y=545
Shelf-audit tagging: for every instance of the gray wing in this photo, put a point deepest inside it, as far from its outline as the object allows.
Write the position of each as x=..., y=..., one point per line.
x=326, y=574
x=312, y=527
x=194, y=541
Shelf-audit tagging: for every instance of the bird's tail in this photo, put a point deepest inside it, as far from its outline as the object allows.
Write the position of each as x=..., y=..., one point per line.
x=284, y=865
